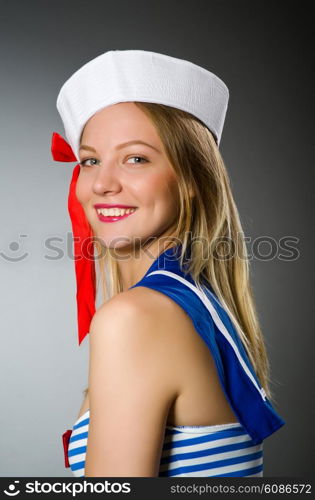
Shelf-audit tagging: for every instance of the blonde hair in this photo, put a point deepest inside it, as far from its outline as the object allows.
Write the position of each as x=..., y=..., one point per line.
x=207, y=221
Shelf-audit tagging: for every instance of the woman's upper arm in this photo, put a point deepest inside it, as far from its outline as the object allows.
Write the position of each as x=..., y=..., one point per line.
x=130, y=391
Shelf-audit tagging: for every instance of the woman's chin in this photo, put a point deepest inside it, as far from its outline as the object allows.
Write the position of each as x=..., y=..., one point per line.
x=119, y=243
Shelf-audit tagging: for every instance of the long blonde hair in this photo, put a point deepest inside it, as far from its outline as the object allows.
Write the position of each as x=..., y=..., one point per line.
x=207, y=222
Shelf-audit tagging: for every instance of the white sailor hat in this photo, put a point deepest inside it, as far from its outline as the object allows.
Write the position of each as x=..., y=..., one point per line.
x=139, y=75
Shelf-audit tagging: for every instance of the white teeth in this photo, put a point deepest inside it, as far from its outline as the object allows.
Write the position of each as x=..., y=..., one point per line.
x=115, y=211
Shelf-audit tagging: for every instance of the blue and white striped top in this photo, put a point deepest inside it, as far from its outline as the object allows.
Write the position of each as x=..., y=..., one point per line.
x=224, y=450
x=233, y=449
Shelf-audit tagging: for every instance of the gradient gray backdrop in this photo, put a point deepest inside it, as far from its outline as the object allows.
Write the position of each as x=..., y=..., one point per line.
x=262, y=50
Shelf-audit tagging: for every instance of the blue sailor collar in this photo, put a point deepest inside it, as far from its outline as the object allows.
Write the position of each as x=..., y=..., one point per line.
x=236, y=373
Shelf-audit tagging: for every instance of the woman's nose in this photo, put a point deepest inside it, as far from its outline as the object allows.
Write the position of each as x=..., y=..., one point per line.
x=106, y=179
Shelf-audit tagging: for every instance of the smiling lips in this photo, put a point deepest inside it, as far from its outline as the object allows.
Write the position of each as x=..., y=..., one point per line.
x=114, y=214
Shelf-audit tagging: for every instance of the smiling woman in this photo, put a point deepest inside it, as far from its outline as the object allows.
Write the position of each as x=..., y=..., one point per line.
x=178, y=370
x=149, y=187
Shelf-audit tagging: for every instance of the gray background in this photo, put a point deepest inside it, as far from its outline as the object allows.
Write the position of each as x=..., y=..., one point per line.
x=262, y=51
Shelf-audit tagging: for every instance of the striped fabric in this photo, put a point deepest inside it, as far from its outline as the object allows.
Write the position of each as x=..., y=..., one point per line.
x=78, y=444
x=225, y=450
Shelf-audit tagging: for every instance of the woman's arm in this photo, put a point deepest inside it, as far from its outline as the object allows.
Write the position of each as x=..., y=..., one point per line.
x=130, y=388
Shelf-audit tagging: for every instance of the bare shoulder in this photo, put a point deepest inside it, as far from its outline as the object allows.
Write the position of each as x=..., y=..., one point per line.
x=143, y=311
x=142, y=307
x=145, y=324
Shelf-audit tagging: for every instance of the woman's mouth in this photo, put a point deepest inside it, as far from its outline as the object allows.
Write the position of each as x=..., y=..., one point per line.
x=114, y=214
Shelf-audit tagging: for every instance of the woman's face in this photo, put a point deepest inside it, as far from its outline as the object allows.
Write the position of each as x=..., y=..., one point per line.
x=134, y=175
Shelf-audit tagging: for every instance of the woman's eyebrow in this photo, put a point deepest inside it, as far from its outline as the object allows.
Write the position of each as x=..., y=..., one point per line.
x=124, y=144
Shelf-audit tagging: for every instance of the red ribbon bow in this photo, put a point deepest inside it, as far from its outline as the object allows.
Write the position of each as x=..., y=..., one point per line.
x=83, y=242
x=65, y=441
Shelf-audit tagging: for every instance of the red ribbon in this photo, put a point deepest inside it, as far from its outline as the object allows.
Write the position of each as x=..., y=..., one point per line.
x=60, y=149
x=83, y=242
x=65, y=441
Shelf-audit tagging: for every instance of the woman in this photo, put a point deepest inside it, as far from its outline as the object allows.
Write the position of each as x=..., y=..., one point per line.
x=178, y=371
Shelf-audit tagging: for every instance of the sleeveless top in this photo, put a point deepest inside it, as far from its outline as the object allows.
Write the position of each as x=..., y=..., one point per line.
x=234, y=449
x=224, y=450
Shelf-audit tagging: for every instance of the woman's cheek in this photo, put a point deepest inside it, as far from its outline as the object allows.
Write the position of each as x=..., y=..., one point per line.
x=83, y=189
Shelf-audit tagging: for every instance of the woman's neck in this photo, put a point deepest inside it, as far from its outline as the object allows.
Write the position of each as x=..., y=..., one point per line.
x=133, y=263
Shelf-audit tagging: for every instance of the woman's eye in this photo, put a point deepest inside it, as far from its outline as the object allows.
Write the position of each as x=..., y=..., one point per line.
x=138, y=158
x=93, y=161
x=89, y=162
